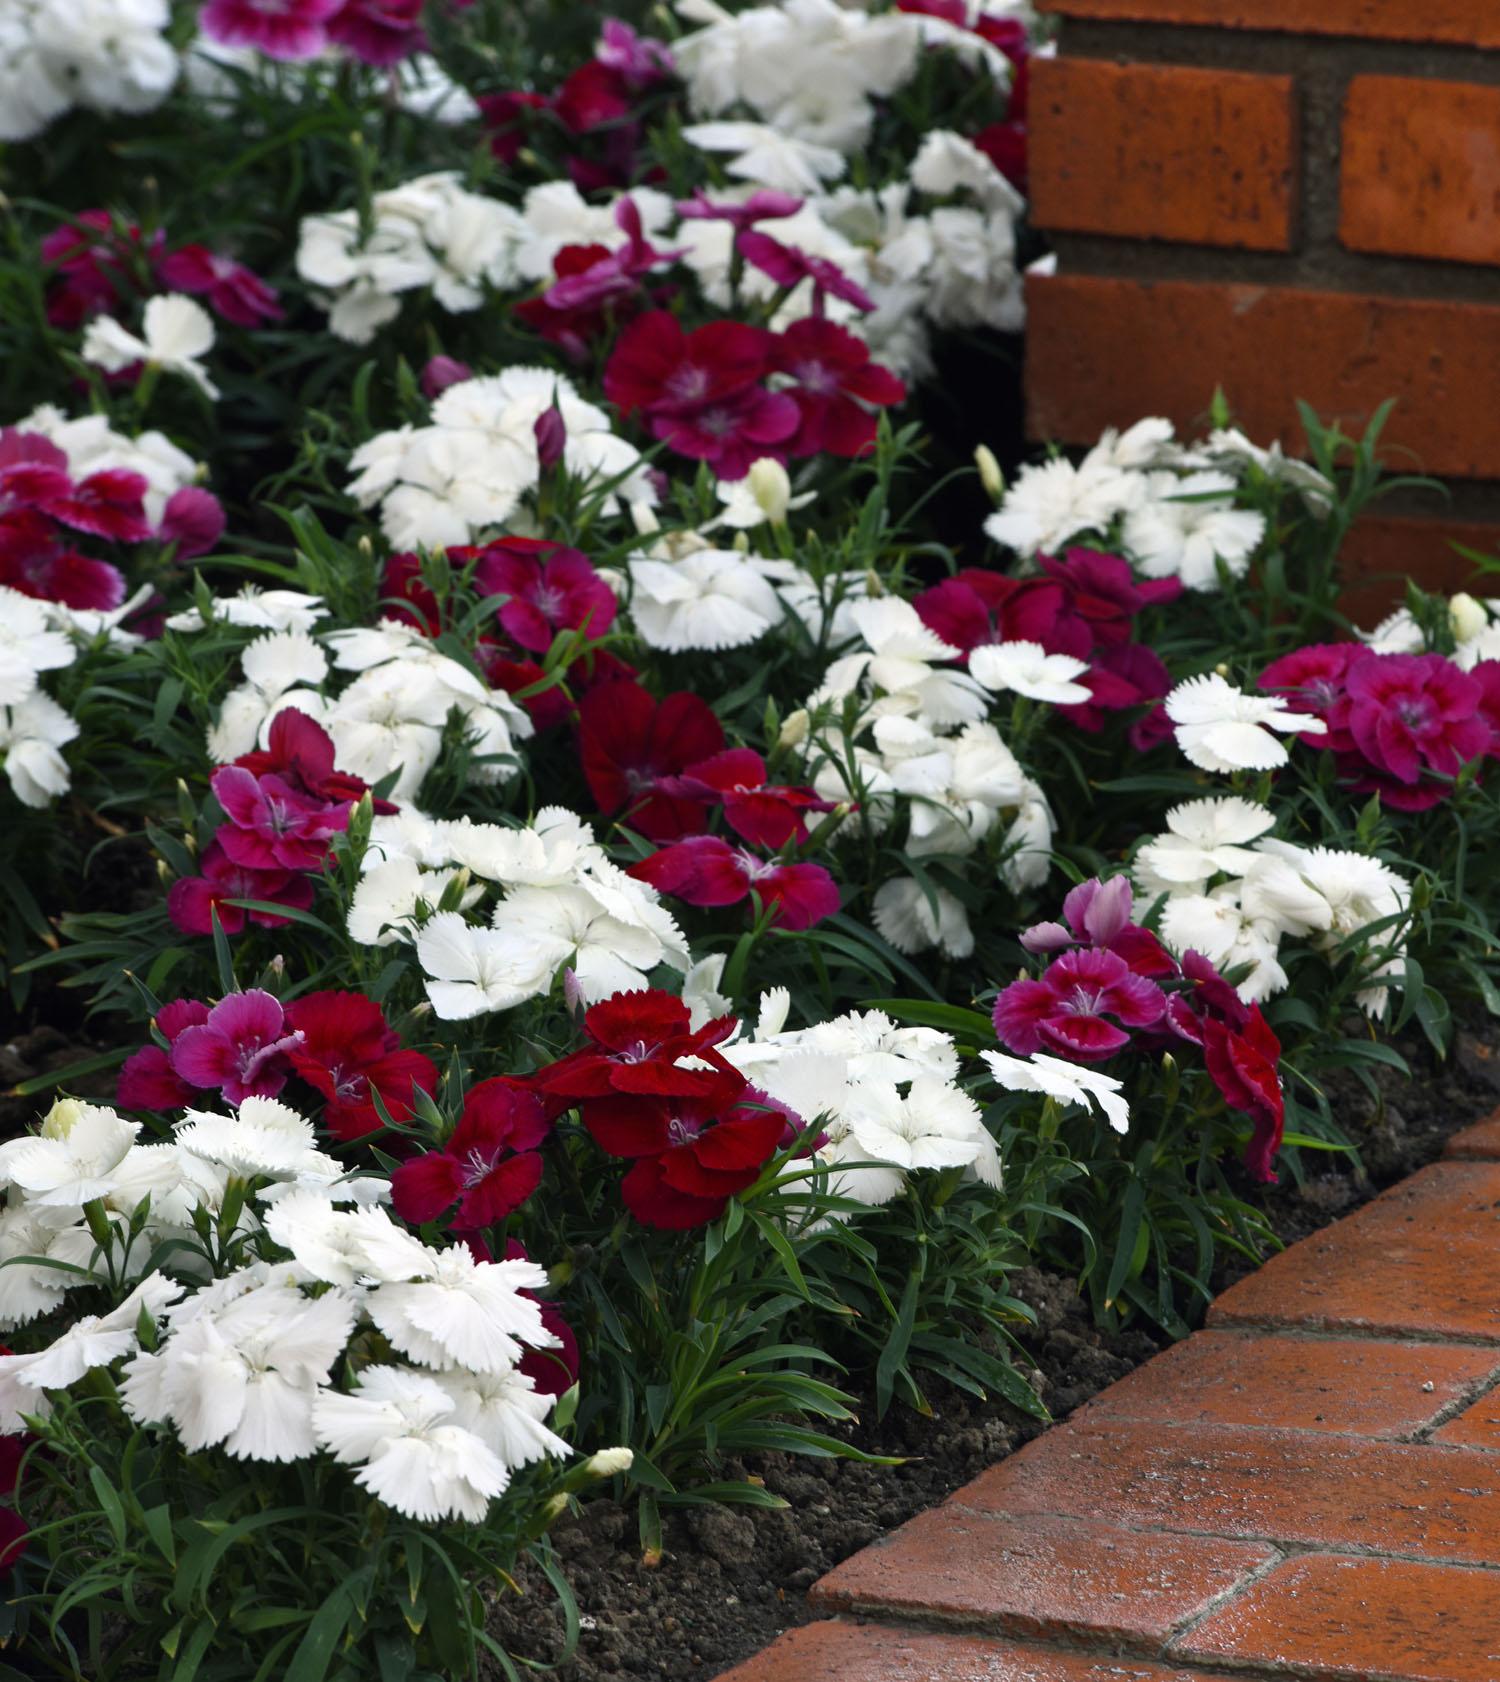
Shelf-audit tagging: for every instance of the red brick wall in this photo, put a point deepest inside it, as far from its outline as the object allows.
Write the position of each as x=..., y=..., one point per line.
x=1289, y=199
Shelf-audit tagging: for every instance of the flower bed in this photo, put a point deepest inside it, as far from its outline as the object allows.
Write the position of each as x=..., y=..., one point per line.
x=625, y=891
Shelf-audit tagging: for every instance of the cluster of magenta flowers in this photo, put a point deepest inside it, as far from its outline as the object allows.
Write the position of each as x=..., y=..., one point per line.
x=100, y=263
x=282, y=806
x=1402, y=726
x=1112, y=988
x=45, y=510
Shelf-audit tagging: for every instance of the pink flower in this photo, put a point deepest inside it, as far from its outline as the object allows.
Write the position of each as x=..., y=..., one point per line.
x=241, y=1047
x=789, y=265
x=193, y=901
x=977, y=606
x=551, y=589
x=489, y=1166
x=233, y=291
x=1097, y=914
x=34, y=560
x=638, y=60
x=699, y=392
x=630, y=744
x=380, y=32
x=1415, y=720
x=836, y=388
x=706, y=870
x=1069, y=1009
x=194, y=520
x=768, y=815
x=1313, y=681
x=285, y=29
x=271, y=824
x=765, y=204
x=147, y=1079
x=616, y=274
x=1119, y=678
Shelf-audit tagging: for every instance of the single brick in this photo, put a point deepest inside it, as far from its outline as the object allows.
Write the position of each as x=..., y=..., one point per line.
x=840, y=1652
x=1360, y=1620
x=1041, y=1576
x=1315, y=1489
x=1420, y=1261
x=1154, y=151
x=1360, y=1385
x=1103, y=352
x=1475, y=1427
x=1471, y=23
x=1480, y=1141
x=1421, y=169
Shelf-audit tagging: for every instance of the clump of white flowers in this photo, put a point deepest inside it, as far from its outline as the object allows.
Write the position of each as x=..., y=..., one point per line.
x=33, y=727
x=562, y=906
x=1233, y=892
x=881, y=1101
x=428, y=233
x=468, y=470
x=1174, y=510
x=99, y=55
x=389, y=719
x=323, y=1327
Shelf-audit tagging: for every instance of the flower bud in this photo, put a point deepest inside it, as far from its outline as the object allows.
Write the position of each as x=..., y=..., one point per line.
x=551, y=438
x=771, y=486
x=61, y=1119
x=1467, y=615
x=554, y=1508
x=441, y=372
x=608, y=1461
x=794, y=730
x=990, y=475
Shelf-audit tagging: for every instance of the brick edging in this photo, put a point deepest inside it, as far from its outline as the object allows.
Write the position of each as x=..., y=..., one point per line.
x=1310, y=1488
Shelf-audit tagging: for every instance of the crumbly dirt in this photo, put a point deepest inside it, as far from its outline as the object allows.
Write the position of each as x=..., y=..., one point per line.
x=731, y=1578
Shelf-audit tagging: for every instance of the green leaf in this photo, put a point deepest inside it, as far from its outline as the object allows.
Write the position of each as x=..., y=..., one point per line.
x=953, y=1019
x=74, y=1071
x=109, y=1504
x=316, y=1648
x=1124, y=1265
x=893, y=1355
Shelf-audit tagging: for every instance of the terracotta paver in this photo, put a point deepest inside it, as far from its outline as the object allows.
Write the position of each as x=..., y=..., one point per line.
x=1476, y=1427
x=841, y=1652
x=1373, y=1387
x=1423, y=1260
x=1309, y=1491
x=1482, y=1141
x=1360, y=1620
x=1282, y=1486
x=1042, y=1576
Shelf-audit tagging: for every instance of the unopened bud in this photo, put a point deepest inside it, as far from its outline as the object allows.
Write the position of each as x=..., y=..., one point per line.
x=551, y=438
x=794, y=731
x=1468, y=616
x=277, y=966
x=771, y=486
x=990, y=475
x=610, y=1461
x=61, y=1119
x=365, y=546
x=554, y=1508
x=441, y=372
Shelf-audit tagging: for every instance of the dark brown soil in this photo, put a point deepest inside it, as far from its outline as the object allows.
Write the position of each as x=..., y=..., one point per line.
x=731, y=1579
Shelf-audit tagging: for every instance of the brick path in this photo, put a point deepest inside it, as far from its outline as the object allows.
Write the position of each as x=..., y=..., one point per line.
x=1308, y=1489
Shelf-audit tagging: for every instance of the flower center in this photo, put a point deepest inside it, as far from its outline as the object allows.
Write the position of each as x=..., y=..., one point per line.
x=1413, y=712
x=687, y=384
x=478, y=1165
x=547, y=601
x=1084, y=1001
x=816, y=376
x=682, y=1131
